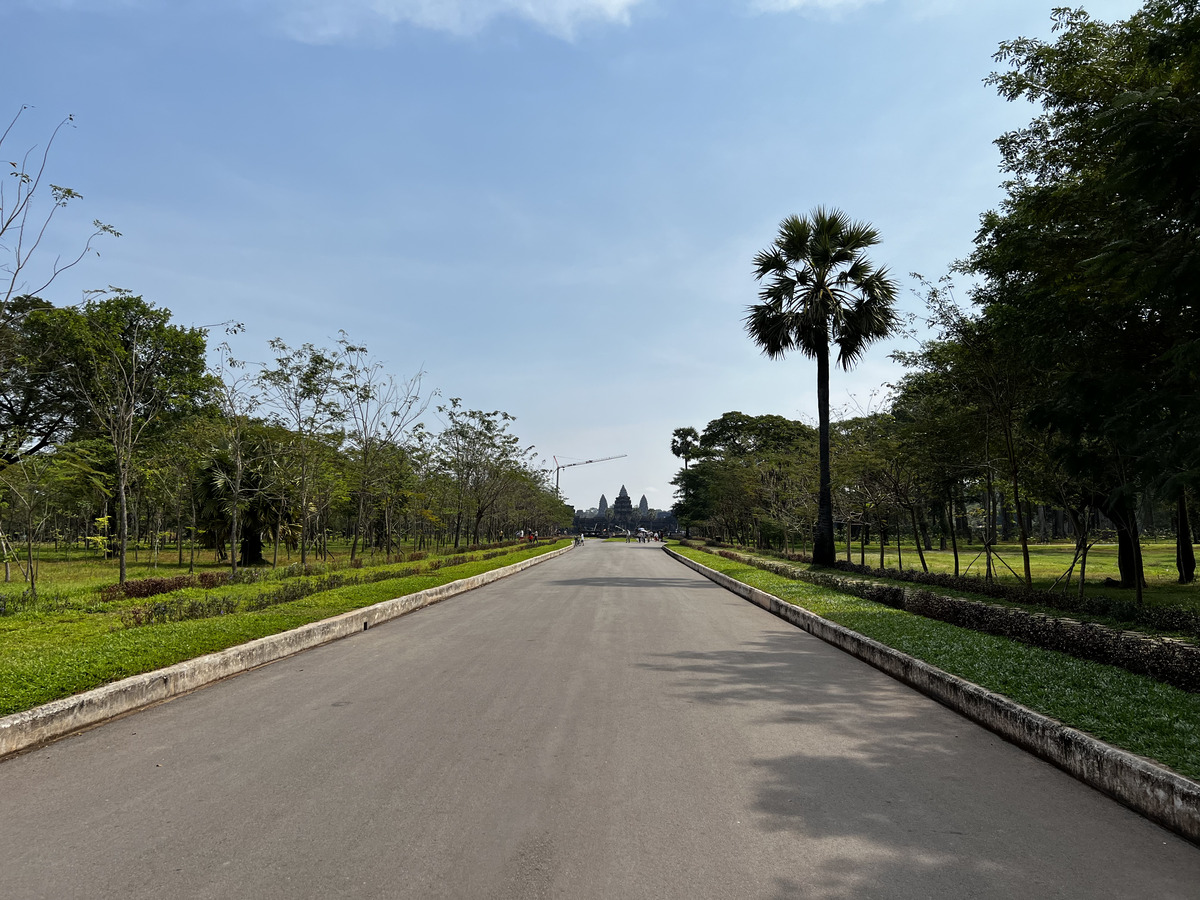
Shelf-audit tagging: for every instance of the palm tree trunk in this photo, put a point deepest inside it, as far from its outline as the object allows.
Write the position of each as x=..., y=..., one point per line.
x=824, y=552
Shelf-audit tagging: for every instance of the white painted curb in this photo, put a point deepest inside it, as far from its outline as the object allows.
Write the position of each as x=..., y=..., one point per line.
x=23, y=730
x=1159, y=794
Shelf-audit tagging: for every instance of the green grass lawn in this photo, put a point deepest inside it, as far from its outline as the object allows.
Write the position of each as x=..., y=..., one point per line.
x=1129, y=711
x=1046, y=563
x=70, y=571
x=76, y=643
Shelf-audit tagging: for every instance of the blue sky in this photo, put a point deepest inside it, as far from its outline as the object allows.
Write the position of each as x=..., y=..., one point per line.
x=550, y=206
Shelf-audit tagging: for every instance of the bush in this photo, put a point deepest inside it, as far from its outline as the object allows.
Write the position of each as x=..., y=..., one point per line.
x=178, y=610
x=141, y=588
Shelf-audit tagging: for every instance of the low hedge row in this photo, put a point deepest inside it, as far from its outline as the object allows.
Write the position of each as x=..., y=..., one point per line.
x=1167, y=660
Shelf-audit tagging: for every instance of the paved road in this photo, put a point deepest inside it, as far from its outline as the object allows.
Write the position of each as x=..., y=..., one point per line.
x=607, y=725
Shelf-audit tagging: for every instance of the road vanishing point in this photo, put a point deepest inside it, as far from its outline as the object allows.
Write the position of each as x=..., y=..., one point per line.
x=609, y=724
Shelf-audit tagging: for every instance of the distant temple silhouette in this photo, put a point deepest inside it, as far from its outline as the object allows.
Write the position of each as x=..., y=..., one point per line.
x=623, y=516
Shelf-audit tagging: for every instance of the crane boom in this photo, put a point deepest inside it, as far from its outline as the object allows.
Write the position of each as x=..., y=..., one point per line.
x=558, y=467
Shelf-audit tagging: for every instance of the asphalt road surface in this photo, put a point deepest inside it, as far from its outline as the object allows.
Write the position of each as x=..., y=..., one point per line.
x=608, y=725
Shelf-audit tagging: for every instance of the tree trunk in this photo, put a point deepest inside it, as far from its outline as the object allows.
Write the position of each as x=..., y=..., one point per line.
x=123, y=524
x=920, y=553
x=824, y=552
x=192, y=541
x=1185, y=554
x=1021, y=525
x=1129, y=556
x=233, y=539
x=954, y=541
x=252, y=548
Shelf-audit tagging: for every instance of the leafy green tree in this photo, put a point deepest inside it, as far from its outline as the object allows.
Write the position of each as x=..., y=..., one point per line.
x=483, y=459
x=820, y=290
x=38, y=407
x=1090, y=264
x=134, y=371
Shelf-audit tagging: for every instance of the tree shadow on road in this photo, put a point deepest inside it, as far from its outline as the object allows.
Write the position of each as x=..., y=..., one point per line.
x=887, y=794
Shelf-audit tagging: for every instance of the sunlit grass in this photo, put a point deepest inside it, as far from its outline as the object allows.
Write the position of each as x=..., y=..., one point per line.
x=1047, y=563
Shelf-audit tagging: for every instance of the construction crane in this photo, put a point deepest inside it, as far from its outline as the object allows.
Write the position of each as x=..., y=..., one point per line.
x=558, y=467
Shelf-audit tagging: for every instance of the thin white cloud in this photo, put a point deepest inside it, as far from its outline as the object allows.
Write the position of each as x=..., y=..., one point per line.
x=825, y=6
x=332, y=21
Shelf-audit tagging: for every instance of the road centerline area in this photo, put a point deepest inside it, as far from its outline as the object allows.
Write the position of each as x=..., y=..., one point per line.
x=608, y=724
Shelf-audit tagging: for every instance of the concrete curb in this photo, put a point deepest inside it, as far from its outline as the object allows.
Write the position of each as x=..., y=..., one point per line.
x=1159, y=794
x=42, y=724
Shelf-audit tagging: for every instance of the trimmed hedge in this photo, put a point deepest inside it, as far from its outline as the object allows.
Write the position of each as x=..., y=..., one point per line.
x=1168, y=660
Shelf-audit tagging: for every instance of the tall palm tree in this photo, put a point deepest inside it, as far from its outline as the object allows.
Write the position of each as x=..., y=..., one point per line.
x=819, y=289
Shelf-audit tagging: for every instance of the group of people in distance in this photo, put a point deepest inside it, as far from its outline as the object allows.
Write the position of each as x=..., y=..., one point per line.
x=644, y=537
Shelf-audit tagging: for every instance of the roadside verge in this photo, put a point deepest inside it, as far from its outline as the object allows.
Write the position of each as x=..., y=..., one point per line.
x=1159, y=794
x=23, y=730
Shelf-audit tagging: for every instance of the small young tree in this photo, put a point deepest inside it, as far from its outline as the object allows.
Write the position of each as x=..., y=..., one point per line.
x=379, y=411
x=301, y=390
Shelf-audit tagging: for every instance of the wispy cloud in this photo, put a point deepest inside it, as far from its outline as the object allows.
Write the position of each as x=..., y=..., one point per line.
x=331, y=21
x=825, y=6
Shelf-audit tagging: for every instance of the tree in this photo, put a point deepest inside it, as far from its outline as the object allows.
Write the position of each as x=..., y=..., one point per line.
x=684, y=444
x=132, y=369
x=379, y=411
x=236, y=446
x=1091, y=262
x=482, y=457
x=302, y=389
x=38, y=407
x=24, y=220
x=821, y=289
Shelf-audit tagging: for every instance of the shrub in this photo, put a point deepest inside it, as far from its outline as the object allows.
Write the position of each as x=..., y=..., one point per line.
x=178, y=610
x=210, y=580
x=141, y=588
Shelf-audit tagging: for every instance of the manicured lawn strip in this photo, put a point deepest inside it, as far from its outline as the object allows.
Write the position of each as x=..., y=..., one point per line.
x=1135, y=713
x=64, y=654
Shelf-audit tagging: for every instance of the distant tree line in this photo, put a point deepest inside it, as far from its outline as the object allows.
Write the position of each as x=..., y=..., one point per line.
x=115, y=431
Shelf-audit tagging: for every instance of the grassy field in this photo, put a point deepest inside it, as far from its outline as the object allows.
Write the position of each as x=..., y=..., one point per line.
x=1130, y=711
x=74, y=570
x=70, y=641
x=1049, y=561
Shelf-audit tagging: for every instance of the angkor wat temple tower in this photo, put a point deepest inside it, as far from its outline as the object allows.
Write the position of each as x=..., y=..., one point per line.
x=623, y=506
